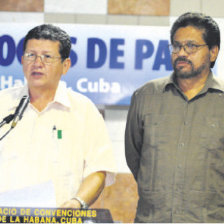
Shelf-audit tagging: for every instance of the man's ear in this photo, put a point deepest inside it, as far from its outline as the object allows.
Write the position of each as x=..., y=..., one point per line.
x=214, y=53
x=66, y=65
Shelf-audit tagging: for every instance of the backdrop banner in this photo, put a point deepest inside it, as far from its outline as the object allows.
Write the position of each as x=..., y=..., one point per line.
x=108, y=62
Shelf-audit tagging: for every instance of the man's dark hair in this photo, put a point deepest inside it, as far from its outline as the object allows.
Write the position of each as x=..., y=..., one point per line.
x=50, y=32
x=211, y=32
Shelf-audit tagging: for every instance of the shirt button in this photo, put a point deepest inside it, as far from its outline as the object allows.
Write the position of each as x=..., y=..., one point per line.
x=179, y=186
x=213, y=125
x=181, y=145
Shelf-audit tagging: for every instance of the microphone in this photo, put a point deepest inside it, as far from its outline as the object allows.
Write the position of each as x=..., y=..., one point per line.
x=20, y=110
x=7, y=120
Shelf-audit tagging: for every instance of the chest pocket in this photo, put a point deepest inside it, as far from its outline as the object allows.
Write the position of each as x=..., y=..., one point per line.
x=212, y=138
x=160, y=128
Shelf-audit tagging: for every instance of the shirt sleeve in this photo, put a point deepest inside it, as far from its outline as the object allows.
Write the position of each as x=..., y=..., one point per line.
x=133, y=137
x=99, y=155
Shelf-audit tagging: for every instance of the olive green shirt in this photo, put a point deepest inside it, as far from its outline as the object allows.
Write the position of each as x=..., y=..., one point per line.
x=175, y=150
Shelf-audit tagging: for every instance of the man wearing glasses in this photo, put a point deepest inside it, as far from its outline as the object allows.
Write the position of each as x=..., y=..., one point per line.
x=62, y=138
x=174, y=137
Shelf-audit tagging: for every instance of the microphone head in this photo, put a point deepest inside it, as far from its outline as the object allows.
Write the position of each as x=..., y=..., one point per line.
x=20, y=110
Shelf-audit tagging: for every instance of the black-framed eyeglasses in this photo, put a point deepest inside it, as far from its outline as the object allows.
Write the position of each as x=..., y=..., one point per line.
x=45, y=58
x=189, y=48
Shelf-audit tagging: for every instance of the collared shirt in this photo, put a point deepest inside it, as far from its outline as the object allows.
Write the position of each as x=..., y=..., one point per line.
x=175, y=150
x=64, y=143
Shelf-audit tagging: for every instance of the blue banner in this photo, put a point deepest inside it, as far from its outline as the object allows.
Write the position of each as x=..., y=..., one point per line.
x=108, y=62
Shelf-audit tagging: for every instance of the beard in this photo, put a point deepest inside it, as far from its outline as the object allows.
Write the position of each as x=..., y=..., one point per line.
x=187, y=74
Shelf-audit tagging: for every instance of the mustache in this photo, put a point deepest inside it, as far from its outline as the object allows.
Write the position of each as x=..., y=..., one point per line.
x=182, y=59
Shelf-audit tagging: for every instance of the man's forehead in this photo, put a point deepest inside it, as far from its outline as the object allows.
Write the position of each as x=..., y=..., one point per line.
x=44, y=40
x=189, y=33
x=42, y=43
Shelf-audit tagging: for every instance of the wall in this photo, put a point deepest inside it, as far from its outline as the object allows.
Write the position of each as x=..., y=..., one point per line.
x=119, y=12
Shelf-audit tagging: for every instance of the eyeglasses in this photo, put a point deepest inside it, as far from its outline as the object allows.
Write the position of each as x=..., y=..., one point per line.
x=45, y=58
x=189, y=48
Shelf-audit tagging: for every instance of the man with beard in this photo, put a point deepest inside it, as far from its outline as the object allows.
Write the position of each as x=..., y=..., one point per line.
x=174, y=138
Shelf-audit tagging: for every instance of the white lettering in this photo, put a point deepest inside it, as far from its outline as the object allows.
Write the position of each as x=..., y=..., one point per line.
x=115, y=87
x=93, y=87
x=7, y=82
x=104, y=86
x=18, y=82
x=80, y=85
x=101, y=86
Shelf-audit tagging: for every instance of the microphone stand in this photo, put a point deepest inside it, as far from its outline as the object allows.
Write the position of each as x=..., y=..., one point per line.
x=6, y=133
x=6, y=120
x=16, y=116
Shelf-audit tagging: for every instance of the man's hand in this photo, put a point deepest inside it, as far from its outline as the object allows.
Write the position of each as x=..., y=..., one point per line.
x=89, y=190
x=73, y=203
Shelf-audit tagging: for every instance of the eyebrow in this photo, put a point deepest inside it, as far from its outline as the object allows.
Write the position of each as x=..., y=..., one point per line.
x=186, y=42
x=42, y=52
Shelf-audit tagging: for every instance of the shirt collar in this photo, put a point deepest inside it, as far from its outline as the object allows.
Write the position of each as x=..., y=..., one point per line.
x=169, y=82
x=211, y=83
x=61, y=95
x=214, y=83
x=17, y=96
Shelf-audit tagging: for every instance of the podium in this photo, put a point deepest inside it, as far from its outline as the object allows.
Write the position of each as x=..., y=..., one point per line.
x=54, y=215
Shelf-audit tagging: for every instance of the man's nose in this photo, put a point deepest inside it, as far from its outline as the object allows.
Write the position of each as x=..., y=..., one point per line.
x=182, y=51
x=38, y=59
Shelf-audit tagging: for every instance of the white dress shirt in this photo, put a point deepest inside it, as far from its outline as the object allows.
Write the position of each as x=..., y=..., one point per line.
x=64, y=143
